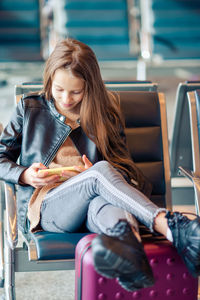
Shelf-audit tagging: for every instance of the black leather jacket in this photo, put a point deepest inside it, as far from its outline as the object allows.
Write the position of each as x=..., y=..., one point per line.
x=34, y=134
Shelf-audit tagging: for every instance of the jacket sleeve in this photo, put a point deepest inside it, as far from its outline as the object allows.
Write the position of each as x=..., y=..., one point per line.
x=10, y=147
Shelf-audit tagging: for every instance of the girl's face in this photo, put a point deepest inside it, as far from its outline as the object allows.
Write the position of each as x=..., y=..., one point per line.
x=67, y=91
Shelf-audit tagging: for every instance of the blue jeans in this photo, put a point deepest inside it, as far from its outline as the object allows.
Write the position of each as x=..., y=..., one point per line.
x=99, y=195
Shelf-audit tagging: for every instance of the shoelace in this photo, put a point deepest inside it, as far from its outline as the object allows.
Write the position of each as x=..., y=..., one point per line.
x=176, y=221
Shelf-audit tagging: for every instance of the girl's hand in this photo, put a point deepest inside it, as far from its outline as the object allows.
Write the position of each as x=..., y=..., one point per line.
x=86, y=161
x=31, y=177
x=87, y=165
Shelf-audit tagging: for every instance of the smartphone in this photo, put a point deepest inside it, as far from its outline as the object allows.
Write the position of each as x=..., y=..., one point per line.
x=57, y=171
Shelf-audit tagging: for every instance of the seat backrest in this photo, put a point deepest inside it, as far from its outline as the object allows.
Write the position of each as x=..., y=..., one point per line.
x=137, y=85
x=180, y=146
x=132, y=86
x=194, y=108
x=147, y=138
x=146, y=130
x=25, y=88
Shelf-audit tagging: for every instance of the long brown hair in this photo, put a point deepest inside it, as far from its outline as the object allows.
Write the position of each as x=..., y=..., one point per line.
x=100, y=113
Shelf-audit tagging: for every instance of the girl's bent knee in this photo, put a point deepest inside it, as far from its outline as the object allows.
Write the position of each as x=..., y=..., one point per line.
x=102, y=164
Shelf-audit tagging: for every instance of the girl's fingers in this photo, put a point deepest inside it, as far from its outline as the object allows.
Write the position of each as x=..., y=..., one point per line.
x=68, y=174
x=40, y=182
x=79, y=169
x=37, y=166
x=86, y=161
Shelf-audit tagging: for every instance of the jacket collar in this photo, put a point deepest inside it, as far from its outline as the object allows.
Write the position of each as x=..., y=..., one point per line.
x=54, y=111
x=57, y=114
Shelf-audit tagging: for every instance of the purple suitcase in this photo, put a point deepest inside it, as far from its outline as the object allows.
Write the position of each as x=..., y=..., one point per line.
x=172, y=278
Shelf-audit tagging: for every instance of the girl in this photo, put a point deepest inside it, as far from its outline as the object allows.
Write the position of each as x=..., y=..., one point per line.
x=76, y=122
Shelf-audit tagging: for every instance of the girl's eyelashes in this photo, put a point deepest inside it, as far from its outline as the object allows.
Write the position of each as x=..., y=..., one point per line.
x=76, y=92
x=60, y=89
x=72, y=92
x=57, y=88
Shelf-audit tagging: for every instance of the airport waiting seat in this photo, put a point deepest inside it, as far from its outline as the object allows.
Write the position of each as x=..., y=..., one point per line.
x=103, y=25
x=176, y=29
x=180, y=146
x=146, y=131
x=20, y=32
x=42, y=247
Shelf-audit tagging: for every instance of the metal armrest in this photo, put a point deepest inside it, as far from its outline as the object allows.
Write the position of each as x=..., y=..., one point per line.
x=8, y=201
x=11, y=215
x=196, y=183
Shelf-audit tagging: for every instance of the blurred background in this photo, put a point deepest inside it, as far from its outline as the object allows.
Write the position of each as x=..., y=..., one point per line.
x=154, y=40
x=116, y=29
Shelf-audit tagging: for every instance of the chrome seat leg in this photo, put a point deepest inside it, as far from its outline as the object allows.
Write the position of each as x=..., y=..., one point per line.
x=9, y=284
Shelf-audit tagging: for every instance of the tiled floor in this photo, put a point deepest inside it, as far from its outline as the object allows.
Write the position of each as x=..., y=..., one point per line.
x=60, y=285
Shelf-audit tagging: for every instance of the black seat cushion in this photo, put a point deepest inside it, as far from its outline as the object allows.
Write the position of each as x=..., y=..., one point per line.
x=50, y=245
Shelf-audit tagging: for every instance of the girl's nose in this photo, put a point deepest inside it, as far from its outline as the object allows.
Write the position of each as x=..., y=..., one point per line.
x=66, y=97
